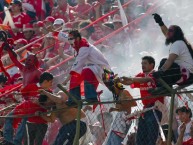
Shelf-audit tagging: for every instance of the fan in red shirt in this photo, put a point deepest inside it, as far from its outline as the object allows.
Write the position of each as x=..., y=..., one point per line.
x=41, y=7
x=19, y=18
x=144, y=81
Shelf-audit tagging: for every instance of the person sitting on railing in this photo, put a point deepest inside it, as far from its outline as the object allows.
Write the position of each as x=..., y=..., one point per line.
x=88, y=67
x=178, y=67
x=67, y=117
x=148, y=128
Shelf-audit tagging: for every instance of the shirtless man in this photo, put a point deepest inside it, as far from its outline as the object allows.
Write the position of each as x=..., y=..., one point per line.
x=29, y=70
x=67, y=117
x=120, y=125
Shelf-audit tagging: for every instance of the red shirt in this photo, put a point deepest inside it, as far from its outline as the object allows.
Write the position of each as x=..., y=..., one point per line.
x=20, y=20
x=30, y=108
x=188, y=142
x=30, y=91
x=39, y=7
x=143, y=89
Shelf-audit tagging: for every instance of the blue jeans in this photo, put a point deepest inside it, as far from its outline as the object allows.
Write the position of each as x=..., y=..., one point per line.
x=67, y=133
x=90, y=92
x=114, y=139
x=8, y=130
x=148, y=128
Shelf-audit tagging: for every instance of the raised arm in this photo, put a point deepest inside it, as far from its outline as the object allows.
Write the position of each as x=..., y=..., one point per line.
x=158, y=20
x=14, y=59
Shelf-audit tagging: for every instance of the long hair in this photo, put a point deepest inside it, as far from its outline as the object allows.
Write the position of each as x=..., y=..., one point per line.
x=179, y=35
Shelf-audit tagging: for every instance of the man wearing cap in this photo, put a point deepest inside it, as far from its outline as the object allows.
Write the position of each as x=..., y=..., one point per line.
x=19, y=18
x=39, y=29
x=117, y=22
x=58, y=24
x=48, y=22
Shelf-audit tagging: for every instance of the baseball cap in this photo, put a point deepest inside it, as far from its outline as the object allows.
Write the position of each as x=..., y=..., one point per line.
x=49, y=19
x=39, y=24
x=58, y=21
x=28, y=27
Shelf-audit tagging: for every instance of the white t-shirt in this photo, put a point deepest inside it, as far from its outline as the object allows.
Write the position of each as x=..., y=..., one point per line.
x=184, y=58
x=187, y=131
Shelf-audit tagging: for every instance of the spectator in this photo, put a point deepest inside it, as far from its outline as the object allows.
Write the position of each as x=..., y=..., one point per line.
x=51, y=44
x=37, y=125
x=177, y=68
x=30, y=68
x=67, y=117
x=88, y=57
x=19, y=44
x=182, y=130
x=39, y=29
x=58, y=24
x=120, y=125
x=28, y=32
x=82, y=10
x=148, y=128
x=43, y=8
x=86, y=33
x=19, y=18
x=30, y=11
x=117, y=22
x=184, y=113
x=63, y=11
